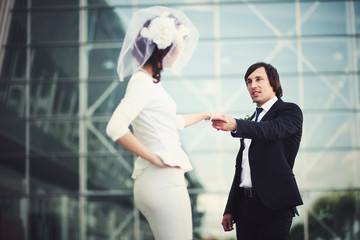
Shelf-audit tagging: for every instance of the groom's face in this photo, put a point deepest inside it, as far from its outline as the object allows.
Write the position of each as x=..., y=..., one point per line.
x=259, y=87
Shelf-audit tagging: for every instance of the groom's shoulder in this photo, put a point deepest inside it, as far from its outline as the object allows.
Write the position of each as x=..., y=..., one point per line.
x=290, y=105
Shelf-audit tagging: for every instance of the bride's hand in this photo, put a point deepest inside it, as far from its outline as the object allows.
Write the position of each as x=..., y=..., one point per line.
x=157, y=161
x=217, y=116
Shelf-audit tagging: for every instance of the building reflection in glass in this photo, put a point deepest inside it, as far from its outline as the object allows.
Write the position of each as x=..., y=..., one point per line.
x=62, y=178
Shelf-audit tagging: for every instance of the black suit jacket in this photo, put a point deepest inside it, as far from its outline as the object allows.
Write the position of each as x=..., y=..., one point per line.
x=275, y=143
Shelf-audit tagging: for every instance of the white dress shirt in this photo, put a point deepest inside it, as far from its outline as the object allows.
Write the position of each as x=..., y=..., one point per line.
x=245, y=180
x=152, y=114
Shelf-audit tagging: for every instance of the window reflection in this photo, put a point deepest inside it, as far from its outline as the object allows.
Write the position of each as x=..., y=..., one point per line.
x=53, y=218
x=62, y=178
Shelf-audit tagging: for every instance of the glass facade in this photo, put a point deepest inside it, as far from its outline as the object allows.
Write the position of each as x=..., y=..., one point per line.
x=62, y=178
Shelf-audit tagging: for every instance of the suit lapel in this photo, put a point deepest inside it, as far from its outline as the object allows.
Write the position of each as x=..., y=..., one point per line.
x=269, y=114
x=252, y=116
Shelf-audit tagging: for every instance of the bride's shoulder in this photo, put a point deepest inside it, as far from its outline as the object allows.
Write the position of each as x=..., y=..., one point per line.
x=141, y=78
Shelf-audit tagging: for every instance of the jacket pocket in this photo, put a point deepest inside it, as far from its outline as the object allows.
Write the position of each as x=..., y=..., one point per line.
x=282, y=172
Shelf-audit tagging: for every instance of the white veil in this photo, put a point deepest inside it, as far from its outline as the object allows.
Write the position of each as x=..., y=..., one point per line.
x=140, y=40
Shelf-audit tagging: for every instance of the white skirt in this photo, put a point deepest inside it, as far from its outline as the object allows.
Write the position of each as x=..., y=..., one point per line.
x=162, y=197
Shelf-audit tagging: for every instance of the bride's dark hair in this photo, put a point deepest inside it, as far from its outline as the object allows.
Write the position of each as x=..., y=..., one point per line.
x=156, y=61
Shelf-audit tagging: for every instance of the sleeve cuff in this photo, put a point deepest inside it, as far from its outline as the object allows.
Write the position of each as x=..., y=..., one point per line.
x=235, y=130
x=115, y=132
x=180, y=122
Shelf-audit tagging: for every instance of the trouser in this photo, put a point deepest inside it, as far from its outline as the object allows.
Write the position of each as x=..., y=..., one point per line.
x=255, y=221
x=162, y=197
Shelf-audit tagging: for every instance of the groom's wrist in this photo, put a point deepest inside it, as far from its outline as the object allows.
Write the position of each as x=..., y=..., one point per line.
x=235, y=127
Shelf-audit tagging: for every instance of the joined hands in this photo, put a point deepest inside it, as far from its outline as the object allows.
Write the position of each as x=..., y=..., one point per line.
x=223, y=122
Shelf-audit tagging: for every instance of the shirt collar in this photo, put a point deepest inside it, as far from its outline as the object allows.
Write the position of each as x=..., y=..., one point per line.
x=266, y=106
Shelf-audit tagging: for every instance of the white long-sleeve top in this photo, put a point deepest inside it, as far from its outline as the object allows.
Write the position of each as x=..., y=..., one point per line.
x=152, y=114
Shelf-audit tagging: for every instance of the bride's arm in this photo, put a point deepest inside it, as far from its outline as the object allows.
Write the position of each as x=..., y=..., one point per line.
x=132, y=144
x=191, y=119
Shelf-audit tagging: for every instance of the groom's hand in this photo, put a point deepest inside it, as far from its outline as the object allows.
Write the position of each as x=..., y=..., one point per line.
x=227, y=222
x=226, y=123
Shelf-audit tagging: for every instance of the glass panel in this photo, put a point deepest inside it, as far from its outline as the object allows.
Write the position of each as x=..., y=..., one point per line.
x=54, y=63
x=197, y=91
x=110, y=172
x=12, y=218
x=54, y=174
x=103, y=62
x=12, y=136
x=269, y=19
x=54, y=218
x=330, y=54
x=12, y=156
x=12, y=100
x=281, y=52
x=202, y=62
x=111, y=2
x=12, y=173
x=53, y=97
x=203, y=20
x=291, y=87
x=13, y=65
x=210, y=211
x=54, y=3
x=108, y=24
x=357, y=18
x=43, y=26
x=343, y=164
x=54, y=136
x=358, y=90
x=329, y=92
x=342, y=135
x=20, y=4
x=112, y=217
x=323, y=18
x=111, y=24
x=358, y=55
x=18, y=28
x=214, y=170
x=100, y=143
x=139, y=2
x=331, y=215
x=104, y=96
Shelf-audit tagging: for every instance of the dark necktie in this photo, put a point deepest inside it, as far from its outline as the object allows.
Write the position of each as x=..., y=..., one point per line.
x=258, y=111
x=242, y=147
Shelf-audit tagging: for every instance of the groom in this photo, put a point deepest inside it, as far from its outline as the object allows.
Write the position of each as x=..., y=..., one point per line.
x=264, y=194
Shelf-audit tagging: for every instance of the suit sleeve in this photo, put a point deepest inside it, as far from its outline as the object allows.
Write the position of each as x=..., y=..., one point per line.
x=286, y=122
x=231, y=205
